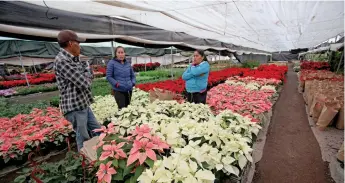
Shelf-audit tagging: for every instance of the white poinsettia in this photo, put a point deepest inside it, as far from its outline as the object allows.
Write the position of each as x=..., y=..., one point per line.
x=105, y=107
x=196, y=137
x=252, y=86
x=175, y=168
x=269, y=87
x=235, y=83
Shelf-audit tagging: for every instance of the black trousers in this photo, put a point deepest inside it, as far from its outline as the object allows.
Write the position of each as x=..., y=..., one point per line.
x=197, y=98
x=123, y=99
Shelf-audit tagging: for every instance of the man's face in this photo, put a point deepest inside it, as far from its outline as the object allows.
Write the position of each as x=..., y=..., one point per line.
x=74, y=48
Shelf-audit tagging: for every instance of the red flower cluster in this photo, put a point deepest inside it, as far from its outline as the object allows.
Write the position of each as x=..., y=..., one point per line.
x=22, y=133
x=310, y=65
x=98, y=68
x=216, y=77
x=176, y=86
x=34, y=79
x=149, y=66
x=274, y=68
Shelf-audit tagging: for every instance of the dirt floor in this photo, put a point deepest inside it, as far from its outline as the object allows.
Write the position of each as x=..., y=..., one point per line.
x=291, y=152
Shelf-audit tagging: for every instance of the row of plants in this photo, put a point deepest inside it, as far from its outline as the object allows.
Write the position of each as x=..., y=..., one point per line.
x=32, y=79
x=247, y=96
x=312, y=65
x=324, y=96
x=217, y=77
x=25, y=132
x=250, y=64
x=166, y=141
x=145, y=67
x=100, y=87
x=203, y=147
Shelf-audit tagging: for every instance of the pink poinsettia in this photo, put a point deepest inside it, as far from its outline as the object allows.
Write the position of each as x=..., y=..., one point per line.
x=239, y=99
x=141, y=150
x=113, y=151
x=39, y=126
x=110, y=130
x=159, y=144
x=142, y=131
x=105, y=172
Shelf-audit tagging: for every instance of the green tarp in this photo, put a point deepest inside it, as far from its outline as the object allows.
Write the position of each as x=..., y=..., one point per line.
x=14, y=48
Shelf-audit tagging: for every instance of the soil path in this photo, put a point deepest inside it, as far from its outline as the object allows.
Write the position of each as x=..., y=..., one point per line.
x=32, y=98
x=291, y=152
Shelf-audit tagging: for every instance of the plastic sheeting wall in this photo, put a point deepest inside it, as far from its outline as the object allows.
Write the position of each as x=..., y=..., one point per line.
x=251, y=57
x=163, y=60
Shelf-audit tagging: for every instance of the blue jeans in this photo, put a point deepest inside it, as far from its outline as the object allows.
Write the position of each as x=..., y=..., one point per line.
x=83, y=122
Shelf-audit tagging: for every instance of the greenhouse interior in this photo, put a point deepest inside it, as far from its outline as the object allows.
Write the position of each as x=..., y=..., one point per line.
x=190, y=91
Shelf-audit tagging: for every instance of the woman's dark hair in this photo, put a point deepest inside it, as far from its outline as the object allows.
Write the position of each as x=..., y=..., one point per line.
x=118, y=47
x=202, y=53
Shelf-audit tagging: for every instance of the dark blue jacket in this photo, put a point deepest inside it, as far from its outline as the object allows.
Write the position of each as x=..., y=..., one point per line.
x=120, y=76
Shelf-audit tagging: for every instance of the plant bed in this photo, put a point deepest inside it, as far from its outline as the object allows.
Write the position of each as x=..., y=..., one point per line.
x=26, y=132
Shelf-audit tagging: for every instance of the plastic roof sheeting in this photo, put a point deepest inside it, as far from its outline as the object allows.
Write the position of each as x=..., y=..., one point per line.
x=265, y=25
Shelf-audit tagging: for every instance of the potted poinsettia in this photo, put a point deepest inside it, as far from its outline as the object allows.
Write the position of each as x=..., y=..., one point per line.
x=125, y=158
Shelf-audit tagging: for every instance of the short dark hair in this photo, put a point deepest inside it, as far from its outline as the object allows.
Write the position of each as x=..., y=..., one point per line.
x=64, y=44
x=118, y=47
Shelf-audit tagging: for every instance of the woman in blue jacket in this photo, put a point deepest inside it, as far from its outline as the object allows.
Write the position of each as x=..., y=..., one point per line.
x=121, y=77
x=196, y=77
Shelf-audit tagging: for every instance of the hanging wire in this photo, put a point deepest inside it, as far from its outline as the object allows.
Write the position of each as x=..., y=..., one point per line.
x=50, y=18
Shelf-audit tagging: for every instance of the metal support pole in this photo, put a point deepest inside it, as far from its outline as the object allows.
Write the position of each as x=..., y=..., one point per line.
x=21, y=61
x=341, y=58
x=112, y=49
x=145, y=64
x=172, y=62
x=33, y=63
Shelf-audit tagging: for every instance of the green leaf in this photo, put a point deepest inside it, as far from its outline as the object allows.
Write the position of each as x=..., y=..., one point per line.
x=128, y=169
x=137, y=173
x=122, y=164
x=99, y=151
x=57, y=178
x=7, y=159
x=118, y=175
x=75, y=166
x=115, y=163
x=71, y=178
x=20, y=179
x=60, y=138
x=149, y=162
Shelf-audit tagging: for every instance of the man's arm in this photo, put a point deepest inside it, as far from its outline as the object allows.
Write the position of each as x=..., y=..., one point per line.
x=72, y=73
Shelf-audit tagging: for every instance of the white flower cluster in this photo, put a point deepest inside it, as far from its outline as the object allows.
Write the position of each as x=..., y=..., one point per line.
x=201, y=143
x=252, y=85
x=106, y=108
